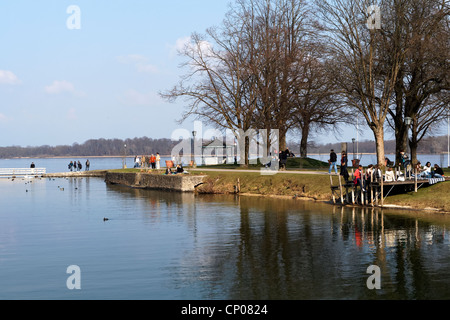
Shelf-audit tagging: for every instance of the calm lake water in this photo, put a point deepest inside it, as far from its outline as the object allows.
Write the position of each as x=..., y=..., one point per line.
x=60, y=164
x=174, y=246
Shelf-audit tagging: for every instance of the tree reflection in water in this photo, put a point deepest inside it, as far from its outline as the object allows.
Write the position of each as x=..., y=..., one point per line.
x=265, y=248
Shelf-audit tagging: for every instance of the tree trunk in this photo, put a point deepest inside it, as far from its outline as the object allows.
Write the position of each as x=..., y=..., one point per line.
x=282, y=138
x=401, y=130
x=413, y=142
x=401, y=142
x=379, y=140
x=244, y=150
x=304, y=141
x=246, y=153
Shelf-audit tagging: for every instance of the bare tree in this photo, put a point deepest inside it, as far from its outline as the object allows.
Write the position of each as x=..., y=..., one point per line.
x=429, y=117
x=367, y=64
x=421, y=28
x=316, y=104
x=218, y=85
x=262, y=69
x=280, y=38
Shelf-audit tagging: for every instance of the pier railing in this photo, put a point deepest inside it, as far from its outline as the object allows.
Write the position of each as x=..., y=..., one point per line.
x=13, y=172
x=374, y=190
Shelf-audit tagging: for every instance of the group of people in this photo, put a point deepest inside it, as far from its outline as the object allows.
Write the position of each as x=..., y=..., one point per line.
x=281, y=158
x=77, y=166
x=363, y=179
x=178, y=169
x=372, y=173
x=152, y=161
x=427, y=172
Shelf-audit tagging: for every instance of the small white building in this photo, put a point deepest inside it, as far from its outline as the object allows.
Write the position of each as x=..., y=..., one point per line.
x=217, y=152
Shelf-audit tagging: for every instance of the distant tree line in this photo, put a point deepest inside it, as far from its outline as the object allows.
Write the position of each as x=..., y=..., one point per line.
x=146, y=146
x=94, y=147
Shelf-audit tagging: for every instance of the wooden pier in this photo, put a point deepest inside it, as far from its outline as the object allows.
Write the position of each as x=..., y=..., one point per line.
x=373, y=193
x=22, y=172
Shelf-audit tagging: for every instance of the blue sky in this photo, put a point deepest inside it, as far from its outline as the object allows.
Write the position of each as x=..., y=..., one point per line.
x=60, y=85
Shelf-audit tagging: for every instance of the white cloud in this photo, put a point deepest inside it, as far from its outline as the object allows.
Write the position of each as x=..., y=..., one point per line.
x=139, y=61
x=187, y=43
x=3, y=118
x=180, y=45
x=7, y=77
x=62, y=86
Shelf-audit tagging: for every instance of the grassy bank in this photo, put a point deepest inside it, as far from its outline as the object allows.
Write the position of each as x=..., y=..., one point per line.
x=435, y=196
x=292, y=164
x=296, y=185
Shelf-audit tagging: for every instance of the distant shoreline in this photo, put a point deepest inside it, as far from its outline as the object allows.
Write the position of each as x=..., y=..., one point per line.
x=169, y=156
x=78, y=157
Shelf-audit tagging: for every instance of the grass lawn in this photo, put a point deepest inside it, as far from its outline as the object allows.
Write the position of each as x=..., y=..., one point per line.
x=292, y=164
x=435, y=196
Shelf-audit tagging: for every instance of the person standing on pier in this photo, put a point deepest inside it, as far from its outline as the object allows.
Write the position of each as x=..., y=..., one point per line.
x=344, y=161
x=332, y=161
x=88, y=164
x=405, y=159
x=359, y=177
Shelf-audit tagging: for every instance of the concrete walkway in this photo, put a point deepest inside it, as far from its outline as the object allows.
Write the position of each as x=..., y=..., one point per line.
x=261, y=171
x=76, y=174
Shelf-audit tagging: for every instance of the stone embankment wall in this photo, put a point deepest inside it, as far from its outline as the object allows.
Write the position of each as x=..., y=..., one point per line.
x=76, y=174
x=176, y=182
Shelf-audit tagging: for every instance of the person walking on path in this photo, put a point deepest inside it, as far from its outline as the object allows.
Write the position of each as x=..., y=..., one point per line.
x=283, y=160
x=88, y=164
x=332, y=161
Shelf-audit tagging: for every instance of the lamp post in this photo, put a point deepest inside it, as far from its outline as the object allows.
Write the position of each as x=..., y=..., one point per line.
x=408, y=122
x=124, y=162
x=194, y=133
x=235, y=151
x=353, y=141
